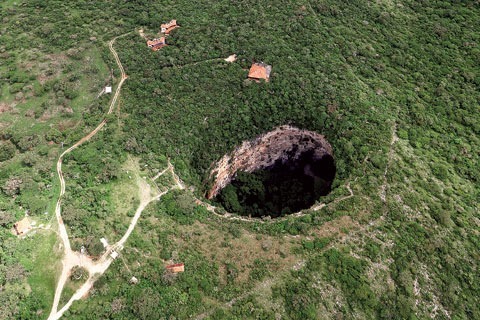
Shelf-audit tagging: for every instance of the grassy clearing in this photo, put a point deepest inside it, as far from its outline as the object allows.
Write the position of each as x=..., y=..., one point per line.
x=125, y=199
x=105, y=209
x=225, y=262
x=88, y=89
x=71, y=286
x=46, y=97
x=238, y=248
x=39, y=255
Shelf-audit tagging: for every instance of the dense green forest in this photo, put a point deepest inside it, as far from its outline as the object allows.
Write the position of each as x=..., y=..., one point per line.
x=394, y=87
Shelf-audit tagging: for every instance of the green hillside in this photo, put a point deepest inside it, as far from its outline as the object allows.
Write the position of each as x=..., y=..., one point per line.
x=394, y=86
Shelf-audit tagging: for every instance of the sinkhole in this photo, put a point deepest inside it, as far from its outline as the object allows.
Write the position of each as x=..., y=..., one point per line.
x=278, y=173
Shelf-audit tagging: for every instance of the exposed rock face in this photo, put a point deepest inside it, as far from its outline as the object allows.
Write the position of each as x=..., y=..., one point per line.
x=284, y=142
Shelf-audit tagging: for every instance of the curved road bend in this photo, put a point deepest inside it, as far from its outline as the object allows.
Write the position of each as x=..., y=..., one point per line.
x=72, y=258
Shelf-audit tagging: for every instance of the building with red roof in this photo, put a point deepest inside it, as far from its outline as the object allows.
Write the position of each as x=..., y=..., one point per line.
x=157, y=44
x=260, y=71
x=175, y=268
x=168, y=27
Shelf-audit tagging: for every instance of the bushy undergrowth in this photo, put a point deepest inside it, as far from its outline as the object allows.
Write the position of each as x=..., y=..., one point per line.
x=394, y=86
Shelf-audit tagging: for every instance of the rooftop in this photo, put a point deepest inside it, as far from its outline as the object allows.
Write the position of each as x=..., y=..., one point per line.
x=22, y=226
x=260, y=71
x=156, y=44
x=178, y=267
x=169, y=26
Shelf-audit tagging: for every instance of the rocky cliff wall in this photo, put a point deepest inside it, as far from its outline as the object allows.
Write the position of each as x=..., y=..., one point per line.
x=284, y=142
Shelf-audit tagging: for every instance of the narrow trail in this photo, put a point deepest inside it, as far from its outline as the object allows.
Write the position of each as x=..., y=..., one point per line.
x=197, y=62
x=176, y=178
x=96, y=269
x=384, y=186
x=72, y=258
x=231, y=216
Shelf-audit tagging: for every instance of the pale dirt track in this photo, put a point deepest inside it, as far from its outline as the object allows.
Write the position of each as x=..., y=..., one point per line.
x=146, y=194
x=96, y=269
x=72, y=258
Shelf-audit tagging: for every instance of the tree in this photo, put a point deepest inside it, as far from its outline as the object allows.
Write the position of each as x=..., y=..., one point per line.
x=6, y=218
x=146, y=303
x=12, y=186
x=7, y=150
x=78, y=273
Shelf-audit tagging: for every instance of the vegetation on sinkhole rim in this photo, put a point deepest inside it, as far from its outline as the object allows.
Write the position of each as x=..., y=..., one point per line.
x=394, y=87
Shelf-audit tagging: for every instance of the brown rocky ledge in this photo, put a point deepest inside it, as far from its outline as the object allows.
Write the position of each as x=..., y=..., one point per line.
x=284, y=142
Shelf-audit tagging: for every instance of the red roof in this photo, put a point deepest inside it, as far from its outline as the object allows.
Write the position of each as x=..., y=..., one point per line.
x=175, y=265
x=260, y=71
x=156, y=44
x=176, y=268
x=167, y=27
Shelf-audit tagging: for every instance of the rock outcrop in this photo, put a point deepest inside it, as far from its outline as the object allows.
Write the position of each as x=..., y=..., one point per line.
x=282, y=143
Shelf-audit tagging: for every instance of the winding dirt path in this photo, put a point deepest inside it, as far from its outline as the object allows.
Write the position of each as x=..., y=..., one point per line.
x=96, y=269
x=391, y=151
x=72, y=258
x=232, y=216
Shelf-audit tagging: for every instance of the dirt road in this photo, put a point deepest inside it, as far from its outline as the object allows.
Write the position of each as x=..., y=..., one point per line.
x=96, y=269
x=72, y=258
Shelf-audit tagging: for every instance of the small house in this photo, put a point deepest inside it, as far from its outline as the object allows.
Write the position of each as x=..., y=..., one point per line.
x=108, y=89
x=260, y=71
x=114, y=255
x=133, y=280
x=176, y=268
x=22, y=226
x=104, y=242
x=168, y=27
x=156, y=44
x=231, y=58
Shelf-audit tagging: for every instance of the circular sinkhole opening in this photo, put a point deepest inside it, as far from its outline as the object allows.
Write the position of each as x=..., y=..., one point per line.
x=281, y=172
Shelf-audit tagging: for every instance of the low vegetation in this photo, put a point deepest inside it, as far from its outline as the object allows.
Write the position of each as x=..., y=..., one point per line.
x=394, y=87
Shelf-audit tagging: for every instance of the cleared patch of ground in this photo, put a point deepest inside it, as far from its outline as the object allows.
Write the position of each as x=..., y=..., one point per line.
x=241, y=251
x=42, y=263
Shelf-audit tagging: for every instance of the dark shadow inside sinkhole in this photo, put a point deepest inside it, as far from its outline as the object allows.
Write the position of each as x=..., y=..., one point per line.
x=287, y=186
